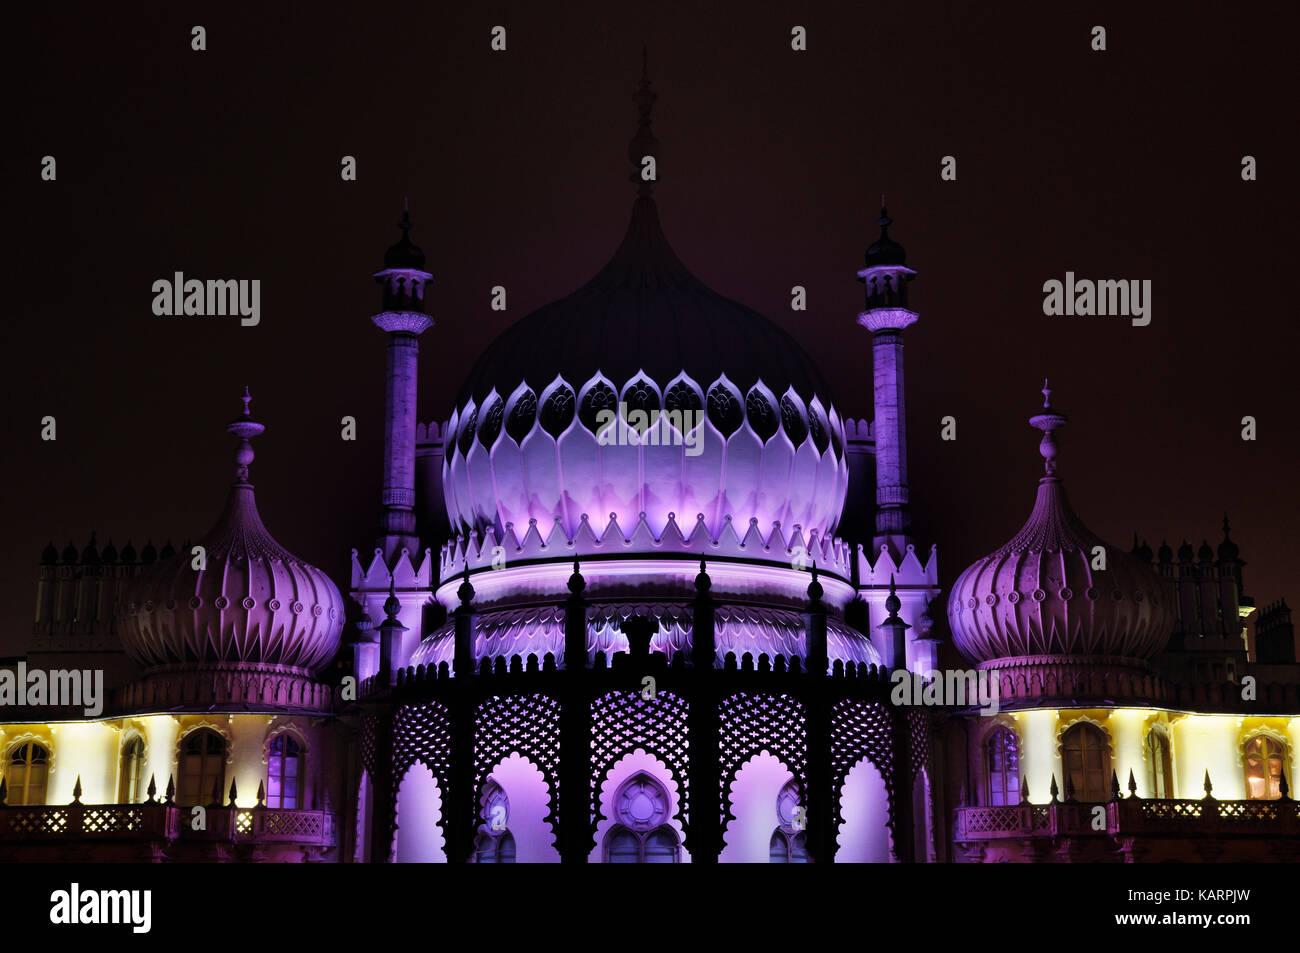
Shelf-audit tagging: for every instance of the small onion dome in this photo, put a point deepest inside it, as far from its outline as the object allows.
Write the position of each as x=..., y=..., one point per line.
x=109, y=555
x=885, y=251
x=404, y=254
x=128, y=553
x=1166, y=554
x=1039, y=595
x=1144, y=552
x=148, y=554
x=167, y=552
x=50, y=554
x=1228, y=551
x=1205, y=554
x=70, y=553
x=252, y=602
x=90, y=555
x=1185, y=554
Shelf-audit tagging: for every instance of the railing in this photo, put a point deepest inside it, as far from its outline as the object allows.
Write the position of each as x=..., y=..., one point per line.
x=994, y=823
x=1129, y=816
x=170, y=822
x=1208, y=815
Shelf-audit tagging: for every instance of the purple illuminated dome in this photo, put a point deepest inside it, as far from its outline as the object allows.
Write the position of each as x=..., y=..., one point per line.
x=254, y=602
x=1040, y=596
x=522, y=444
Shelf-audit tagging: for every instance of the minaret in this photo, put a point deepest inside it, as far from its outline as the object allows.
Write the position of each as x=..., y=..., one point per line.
x=886, y=315
x=404, y=318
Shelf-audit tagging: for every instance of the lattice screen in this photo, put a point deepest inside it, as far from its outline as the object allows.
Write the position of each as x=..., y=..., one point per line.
x=861, y=730
x=754, y=723
x=422, y=733
x=528, y=724
x=621, y=722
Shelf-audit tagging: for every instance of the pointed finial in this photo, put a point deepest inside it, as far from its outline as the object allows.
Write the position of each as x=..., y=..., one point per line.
x=245, y=428
x=76, y=791
x=392, y=605
x=576, y=583
x=1207, y=785
x=1049, y=421
x=1054, y=790
x=815, y=589
x=170, y=793
x=644, y=142
x=884, y=221
x=892, y=602
x=1283, y=788
x=1132, y=784
x=261, y=793
x=152, y=790
x=703, y=582
x=233, y=793
x=1024, y=790
x=1114, y=785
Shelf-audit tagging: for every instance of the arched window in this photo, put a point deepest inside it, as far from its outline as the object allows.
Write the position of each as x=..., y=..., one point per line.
x=27, y=769
x=1002, y=763
x=1085, y=756
x=494, y=843
x=788, y=845
x=129, y=787
x=641, y=834
x=203, y=767
x=285, y=762
x=1160, y=769
x=1264, y=757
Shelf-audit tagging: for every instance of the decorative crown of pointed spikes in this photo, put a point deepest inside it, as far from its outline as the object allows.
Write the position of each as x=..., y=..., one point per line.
x=477, y=551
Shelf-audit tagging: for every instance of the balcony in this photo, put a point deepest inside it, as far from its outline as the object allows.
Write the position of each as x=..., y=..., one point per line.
x=165, y=825
x=1127, y=817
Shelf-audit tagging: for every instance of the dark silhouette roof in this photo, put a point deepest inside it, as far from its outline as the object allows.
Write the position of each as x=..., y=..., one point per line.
x=405, y=254
x=645, y=310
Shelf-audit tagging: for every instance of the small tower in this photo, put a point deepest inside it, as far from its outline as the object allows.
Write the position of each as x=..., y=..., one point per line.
x=404, y=317
x=886, y=278
x=1275, y=635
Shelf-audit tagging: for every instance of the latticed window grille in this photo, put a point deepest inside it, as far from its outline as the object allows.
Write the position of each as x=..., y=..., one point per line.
x=621, y=722
x=860, y=730
x=527, y=724
x=755, y=723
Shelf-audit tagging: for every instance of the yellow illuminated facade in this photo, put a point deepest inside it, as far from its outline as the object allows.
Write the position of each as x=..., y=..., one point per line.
x=98, y=754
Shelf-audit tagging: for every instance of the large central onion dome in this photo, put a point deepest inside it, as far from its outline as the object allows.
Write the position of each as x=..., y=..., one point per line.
x=1040, y=595
x=252, y=602
x=551, y=424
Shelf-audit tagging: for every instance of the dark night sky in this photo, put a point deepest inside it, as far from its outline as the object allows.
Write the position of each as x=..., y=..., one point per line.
x=1122, y=164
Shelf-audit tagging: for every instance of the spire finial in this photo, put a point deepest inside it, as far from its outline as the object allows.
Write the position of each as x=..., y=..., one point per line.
x=644, y=142
x=1049, y=421
x=892, y=602
x=244, y=427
